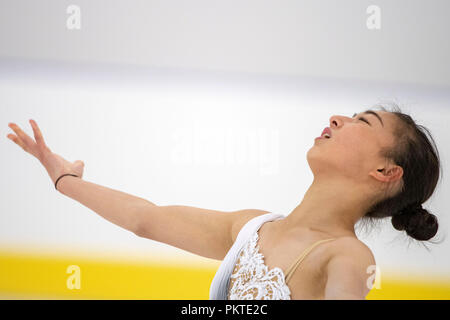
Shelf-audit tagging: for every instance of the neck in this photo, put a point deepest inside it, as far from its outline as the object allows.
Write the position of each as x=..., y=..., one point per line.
x=329, y=206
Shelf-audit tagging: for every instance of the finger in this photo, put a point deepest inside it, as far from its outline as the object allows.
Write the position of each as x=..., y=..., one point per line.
x=27, y=141
x=79, y=162
x=16, y=140
x=37, y=133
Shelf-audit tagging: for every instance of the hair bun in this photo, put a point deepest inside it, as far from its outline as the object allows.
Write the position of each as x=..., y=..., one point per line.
x=417, y=222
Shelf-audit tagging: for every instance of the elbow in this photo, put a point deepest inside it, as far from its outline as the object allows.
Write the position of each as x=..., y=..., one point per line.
x=139, y=228
x=141, y=217
x=138, y=231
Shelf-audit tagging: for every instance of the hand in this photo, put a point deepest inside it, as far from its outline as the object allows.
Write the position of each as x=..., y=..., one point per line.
x=53, y=163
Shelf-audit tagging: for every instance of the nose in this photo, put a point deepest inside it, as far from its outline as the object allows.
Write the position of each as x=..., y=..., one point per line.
x=336, y=121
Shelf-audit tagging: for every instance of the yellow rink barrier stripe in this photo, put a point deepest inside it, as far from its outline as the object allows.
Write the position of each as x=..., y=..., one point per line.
x=33, y=276
x=394, y=285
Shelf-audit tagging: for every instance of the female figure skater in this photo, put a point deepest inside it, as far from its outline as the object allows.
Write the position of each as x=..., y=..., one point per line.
x=370, y=166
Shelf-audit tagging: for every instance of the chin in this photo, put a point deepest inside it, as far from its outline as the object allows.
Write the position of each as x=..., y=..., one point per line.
x=316, y=160
x=313, y=153
x=311, y=157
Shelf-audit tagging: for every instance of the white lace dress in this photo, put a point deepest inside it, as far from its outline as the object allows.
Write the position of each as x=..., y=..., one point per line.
x=252, y=279
x=243, y=274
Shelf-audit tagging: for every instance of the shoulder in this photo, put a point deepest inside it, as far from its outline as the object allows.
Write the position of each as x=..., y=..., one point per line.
x=352, y=248
x=348, y=268
x=241, y=217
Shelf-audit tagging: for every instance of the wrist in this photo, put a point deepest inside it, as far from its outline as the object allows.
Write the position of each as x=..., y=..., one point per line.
x=61, y=178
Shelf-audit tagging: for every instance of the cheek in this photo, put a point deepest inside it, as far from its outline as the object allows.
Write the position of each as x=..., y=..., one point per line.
x=354, y=149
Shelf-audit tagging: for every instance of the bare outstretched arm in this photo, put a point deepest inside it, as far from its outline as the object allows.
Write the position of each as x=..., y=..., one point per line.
x=209, y=233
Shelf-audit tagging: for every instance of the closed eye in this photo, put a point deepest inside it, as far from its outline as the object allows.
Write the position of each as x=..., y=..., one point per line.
x=365, y=120
x=362, y=119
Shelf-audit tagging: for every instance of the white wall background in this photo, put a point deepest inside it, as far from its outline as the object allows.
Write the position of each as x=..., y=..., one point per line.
x=297, y=37
x=206, y=103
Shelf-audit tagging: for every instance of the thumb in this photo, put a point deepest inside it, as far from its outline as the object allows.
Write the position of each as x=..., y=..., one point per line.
x=78, y=167
x=78, y=163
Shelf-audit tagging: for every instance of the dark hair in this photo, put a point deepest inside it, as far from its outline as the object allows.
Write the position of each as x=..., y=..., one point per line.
x=416, y=152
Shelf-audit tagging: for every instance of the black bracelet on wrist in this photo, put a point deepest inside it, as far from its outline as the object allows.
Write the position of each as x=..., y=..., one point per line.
x=66, y=174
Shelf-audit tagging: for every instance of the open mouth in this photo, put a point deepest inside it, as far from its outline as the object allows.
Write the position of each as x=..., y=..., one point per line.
x=326, y=133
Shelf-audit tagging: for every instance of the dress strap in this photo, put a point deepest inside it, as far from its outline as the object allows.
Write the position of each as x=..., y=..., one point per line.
x=297, y=262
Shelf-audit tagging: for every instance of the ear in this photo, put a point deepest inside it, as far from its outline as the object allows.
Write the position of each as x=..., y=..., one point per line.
x=390, y=173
